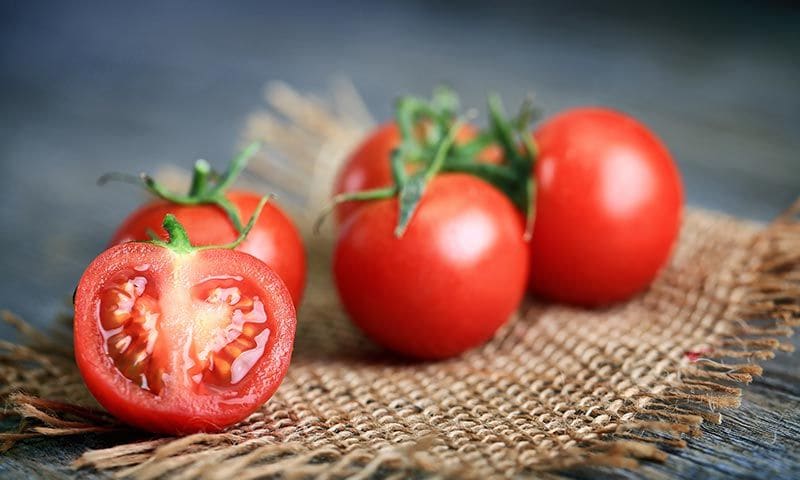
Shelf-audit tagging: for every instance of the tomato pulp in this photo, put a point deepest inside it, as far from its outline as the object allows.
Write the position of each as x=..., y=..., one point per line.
x=274, y=239
x=608, y=207
x=455, y=276
x=181, y=342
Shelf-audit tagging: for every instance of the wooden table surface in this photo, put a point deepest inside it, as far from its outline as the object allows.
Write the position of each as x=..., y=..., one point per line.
x=89, y=87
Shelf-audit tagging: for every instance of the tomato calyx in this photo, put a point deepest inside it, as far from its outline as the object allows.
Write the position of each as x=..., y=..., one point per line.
x=514, y=177
x=178, y=240
x=428, y=132
x=207, y=187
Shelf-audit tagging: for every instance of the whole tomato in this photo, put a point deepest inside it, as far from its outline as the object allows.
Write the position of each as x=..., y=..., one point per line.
x=608, y=207
x=454, y=277
x=274, y=239
x=369, y=165
x=176, y=339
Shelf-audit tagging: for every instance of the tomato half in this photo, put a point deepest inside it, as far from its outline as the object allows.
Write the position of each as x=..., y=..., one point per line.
x=369, y=166
x=455, y=276
x=608, y=207
x=274, y=239
x=179, y=343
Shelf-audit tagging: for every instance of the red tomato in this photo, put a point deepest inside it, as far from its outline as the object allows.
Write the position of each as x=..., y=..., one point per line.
x=608, y=207
x=369, y=166
x=453, y=278
x=180, y=343
x=274, y=239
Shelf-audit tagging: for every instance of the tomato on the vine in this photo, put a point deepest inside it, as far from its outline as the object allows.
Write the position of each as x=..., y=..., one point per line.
x=211, y=214
x=368, y=167
x=176, y=339
x=448, y=283
x=608, y=207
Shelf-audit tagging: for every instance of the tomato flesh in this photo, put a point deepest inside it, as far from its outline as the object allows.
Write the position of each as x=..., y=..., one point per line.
x=179, y=343
x=222, y=353
x=230, y=335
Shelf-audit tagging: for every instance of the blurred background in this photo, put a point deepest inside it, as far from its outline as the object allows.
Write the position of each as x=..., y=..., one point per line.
x=91, y=87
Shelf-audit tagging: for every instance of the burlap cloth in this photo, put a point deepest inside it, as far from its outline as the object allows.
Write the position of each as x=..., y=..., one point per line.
x=557, y=387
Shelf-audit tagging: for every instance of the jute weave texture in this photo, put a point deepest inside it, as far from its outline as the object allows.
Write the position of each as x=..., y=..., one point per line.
x=557, y=387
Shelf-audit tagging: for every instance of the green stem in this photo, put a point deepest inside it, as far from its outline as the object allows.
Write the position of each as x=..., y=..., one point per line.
x=246, y=230
x=520, y=154
x=230, y=210
x=398, y=164
x=207, y=187
x=178, y=238
x=500, y=126
x=428, y=143
x=200, y=178
x=152, y=186
x=409, y=111
x=363, y=195
x=445, y=101
x=179, y=242
x=441, y=151
x=235, y=168
x=412, y=189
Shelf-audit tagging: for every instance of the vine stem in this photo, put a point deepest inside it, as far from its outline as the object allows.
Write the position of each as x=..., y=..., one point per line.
x=179, y=242
x=364, y=195
x=428, y=145
x=412, y=189
x=202, y=170
x=206, y=188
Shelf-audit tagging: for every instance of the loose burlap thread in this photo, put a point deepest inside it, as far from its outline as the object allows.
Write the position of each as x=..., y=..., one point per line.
x=557, y=387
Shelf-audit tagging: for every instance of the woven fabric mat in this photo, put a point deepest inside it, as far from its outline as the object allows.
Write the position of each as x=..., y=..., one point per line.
x=556, y=388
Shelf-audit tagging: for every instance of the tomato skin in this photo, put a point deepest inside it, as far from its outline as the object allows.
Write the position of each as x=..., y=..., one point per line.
x=369, y=166
x=177, y=409
x=608, y=207
x=273, y=240
x=445, y=286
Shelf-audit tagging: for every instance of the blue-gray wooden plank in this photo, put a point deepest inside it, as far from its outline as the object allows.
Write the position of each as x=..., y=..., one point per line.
x=89, y=87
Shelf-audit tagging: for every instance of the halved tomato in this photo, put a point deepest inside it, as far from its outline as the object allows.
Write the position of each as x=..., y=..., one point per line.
x=182, y=340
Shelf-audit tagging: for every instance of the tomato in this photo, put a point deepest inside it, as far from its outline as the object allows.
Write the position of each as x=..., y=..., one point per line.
x=369, y=166
x=608, y=207
x=273, y=240
x=177, y=342
x=455, y=276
